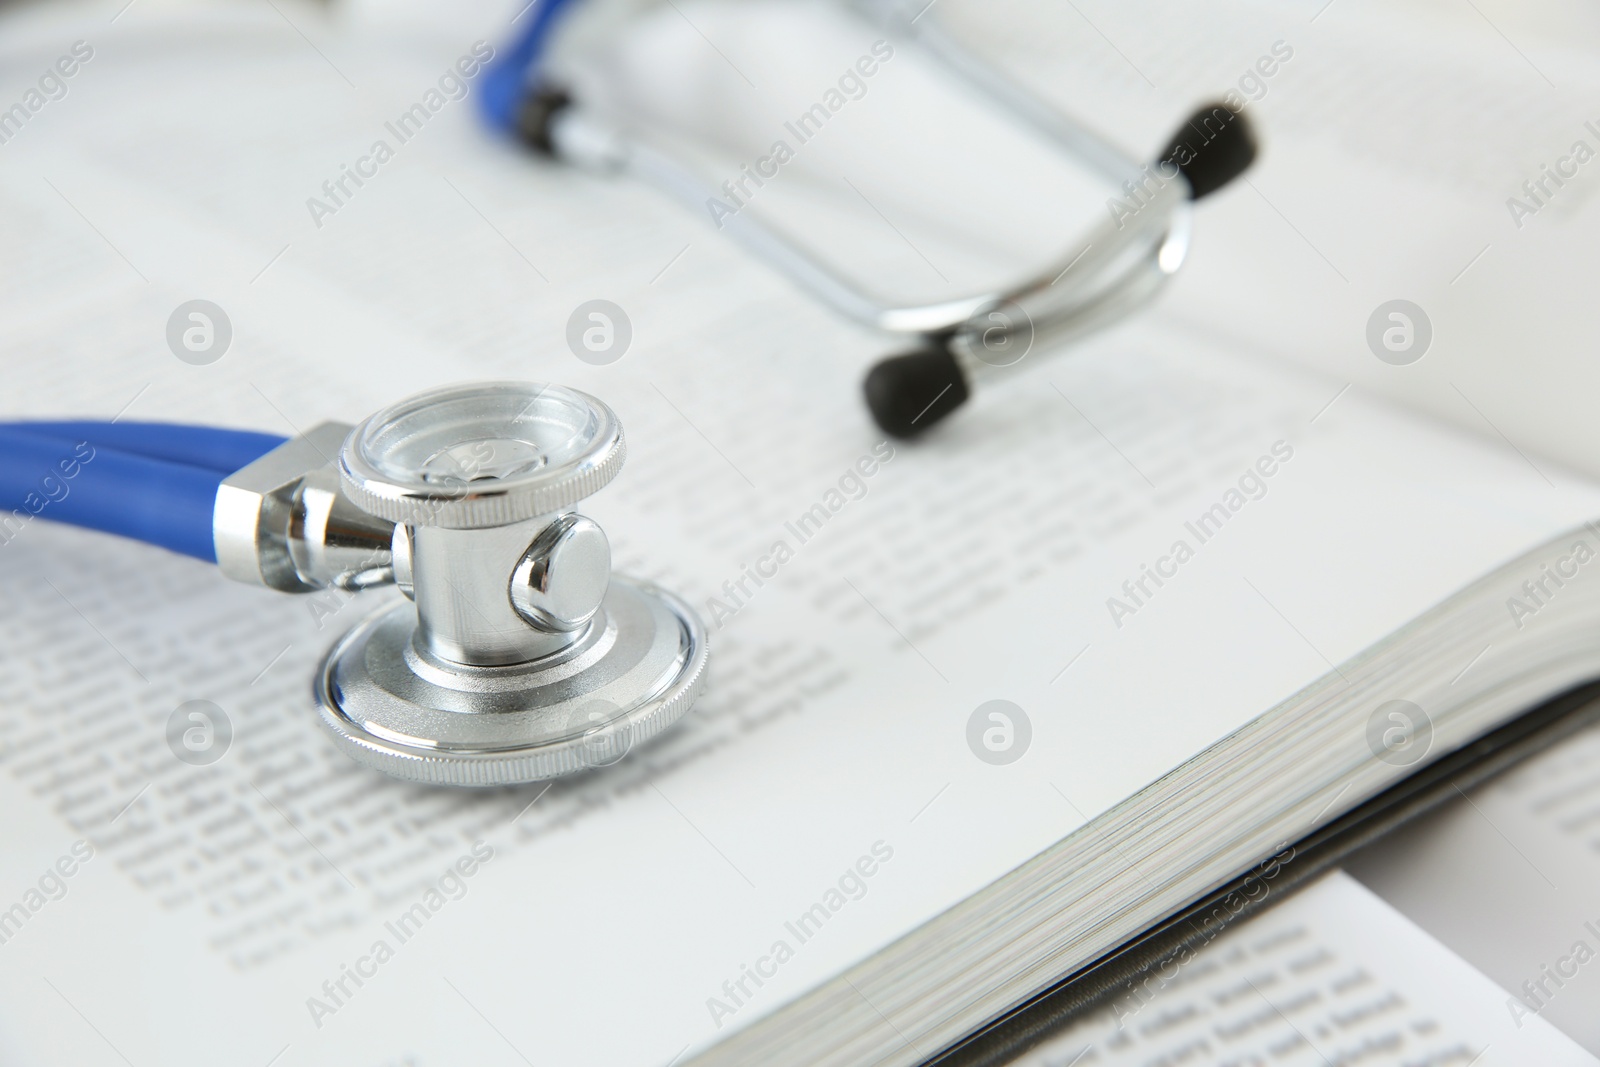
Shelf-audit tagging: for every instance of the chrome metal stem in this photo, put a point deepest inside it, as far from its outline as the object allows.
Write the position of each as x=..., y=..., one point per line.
x=282, y=521
x=461, y=581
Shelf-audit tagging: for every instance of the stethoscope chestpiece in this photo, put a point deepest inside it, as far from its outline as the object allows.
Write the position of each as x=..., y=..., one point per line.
x=518, y=656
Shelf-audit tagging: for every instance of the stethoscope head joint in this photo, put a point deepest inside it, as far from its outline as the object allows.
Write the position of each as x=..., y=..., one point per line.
x=523, y=656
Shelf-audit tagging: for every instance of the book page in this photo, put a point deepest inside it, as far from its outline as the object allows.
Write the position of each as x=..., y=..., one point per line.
x=1332, y=975
x=1505, y=876
x=824, y=798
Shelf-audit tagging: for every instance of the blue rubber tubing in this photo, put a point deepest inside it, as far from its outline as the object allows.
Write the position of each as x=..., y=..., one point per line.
x=207, y=447
x=510, y=75
x=85, y=481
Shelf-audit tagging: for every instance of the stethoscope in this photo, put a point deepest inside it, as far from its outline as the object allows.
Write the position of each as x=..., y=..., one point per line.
x=1116, y=269
x=516, y=655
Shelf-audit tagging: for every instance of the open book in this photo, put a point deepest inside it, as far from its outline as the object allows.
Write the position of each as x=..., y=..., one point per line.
x=981, y=708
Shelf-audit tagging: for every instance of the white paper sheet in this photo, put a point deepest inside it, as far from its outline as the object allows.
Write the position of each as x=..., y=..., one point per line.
x=1331, y=976
x=1506, y=877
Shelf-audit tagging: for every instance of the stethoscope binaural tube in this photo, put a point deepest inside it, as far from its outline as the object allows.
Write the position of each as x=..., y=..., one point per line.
x=1114, y=270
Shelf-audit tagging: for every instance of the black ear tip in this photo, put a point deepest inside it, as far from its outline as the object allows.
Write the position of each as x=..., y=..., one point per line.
x=537, y=112
x=1212, y=148
x=907, y=394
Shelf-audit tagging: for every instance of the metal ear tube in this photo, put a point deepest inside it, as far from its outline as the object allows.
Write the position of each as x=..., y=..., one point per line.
x=1116, y=268
x=1121, y=266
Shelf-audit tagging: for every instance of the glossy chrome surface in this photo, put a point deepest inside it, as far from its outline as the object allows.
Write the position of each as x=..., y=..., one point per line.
x=461, y=581
x=523, y=657
x=486, y=454
x=282, y=521
x=1102, y=273
x=561, y=580
x=632, y=673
